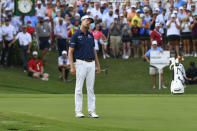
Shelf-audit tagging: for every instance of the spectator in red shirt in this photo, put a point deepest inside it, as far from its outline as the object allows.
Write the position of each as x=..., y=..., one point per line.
x=36, y=68
x=156, y=35
x=30, y=29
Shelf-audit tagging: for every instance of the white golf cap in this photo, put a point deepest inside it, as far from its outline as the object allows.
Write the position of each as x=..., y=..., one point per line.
x=141, y=15
x=7, y=9
x=46, y=18
x=154, y=42
x=35, y=53
x=133, y=6
x=70, y=5
x=87, y=17
x=137, y=10
x=173, y=15
x=88, y=10
x=115, y=16
x=57, y=10
x=64, y=52
x=77, y=14
x=39, y=2
x=157, y=24
x=175, y=12
x=181, y=8
x=146, y=9
x=121, y=14
x=157, y=9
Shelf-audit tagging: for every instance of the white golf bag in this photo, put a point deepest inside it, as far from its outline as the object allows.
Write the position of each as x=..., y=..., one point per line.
x=178, y=82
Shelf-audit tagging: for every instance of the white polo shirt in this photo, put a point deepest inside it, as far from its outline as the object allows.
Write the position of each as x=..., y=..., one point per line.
x=24, y=38
x=41, y=11
x=10, y=30
x=108, y=20
x=61, y=30
x=173, y=30
x=62, y=61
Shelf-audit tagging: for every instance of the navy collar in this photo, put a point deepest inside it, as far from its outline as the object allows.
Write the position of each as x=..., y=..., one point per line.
x=80, y=32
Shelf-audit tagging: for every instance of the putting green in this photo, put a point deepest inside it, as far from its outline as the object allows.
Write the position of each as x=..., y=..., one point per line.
x=117, y=113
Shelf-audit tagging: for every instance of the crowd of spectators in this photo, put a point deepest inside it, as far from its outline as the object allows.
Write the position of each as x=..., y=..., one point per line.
x=123, y=30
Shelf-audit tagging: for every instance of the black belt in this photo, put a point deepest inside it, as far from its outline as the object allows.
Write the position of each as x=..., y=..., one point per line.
x=91, y=60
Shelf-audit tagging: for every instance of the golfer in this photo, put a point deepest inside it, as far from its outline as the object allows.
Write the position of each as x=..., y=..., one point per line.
x=82, y=51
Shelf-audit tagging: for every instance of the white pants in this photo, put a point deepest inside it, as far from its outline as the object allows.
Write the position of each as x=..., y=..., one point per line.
x=84, y=70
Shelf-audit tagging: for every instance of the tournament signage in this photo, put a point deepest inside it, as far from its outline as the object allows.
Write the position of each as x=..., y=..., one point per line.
x=159, y=59
x=24, y=7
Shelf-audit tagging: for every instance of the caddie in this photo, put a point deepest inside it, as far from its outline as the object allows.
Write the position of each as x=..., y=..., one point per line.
x=82, y=51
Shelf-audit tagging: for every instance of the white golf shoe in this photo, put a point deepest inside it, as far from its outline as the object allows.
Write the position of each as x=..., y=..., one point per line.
x=79, y=115
x=93, y=115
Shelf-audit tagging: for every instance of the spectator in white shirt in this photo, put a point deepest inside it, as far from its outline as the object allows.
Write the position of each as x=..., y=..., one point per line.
x=173, y=33
x=25, y=41
x=108, y=19
x=9, y=33
x=61, y=34
x=96, y=10
x=40, y=10
x=64, y=66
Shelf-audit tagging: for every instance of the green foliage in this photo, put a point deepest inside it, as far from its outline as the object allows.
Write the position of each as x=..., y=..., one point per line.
x=16, y=52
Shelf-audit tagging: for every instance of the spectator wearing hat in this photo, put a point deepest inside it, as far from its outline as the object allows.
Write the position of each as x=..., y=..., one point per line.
x=25, y=41
x=189, y=15
x=33, y=19
x=173, y=33
x=43, y=31
x=181, y=14
x=194, y=35
x=131, y=14
x=70, y=11
x=191, y=74
x=156, y=35
x=40, y=10
x=135, y=31
x=61, y=35
x=9, y=33
x=64, y=65
x=36, y=68
x=30, y=29
x=144, y=34
x=115, y=39
x=153, y=70
x=186, y=36
x=136, y=17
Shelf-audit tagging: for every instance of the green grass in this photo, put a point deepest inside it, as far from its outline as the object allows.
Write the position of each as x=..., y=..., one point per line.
x=34, y=112
x=125, y=77
x=28, y=104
